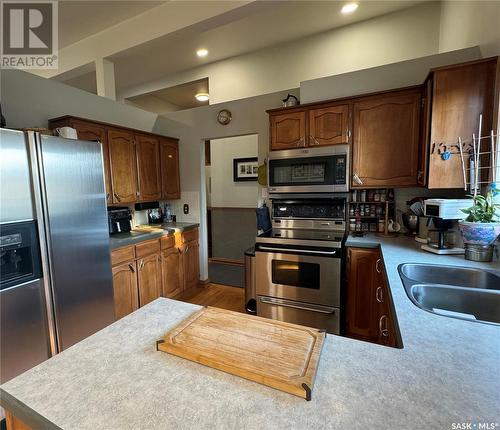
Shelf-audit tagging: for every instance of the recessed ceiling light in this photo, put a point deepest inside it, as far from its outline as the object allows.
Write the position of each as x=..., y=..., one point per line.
x=349, y=7
x=202, y=52
x=202, y=97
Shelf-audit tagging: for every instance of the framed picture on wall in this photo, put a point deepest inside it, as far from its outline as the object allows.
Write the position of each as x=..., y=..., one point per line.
x=245, y=169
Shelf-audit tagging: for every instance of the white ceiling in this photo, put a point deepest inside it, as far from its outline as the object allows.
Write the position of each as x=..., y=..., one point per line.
x=173, y=98
x=79, y=19
x=262, y=24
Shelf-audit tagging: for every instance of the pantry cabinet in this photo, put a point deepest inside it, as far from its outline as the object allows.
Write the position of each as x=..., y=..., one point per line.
x=369, y=311
x=138, y=166
x=460, y=93
x=386, y=140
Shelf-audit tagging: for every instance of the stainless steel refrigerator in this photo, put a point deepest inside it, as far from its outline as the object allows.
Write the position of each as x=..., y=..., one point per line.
x=55, y=273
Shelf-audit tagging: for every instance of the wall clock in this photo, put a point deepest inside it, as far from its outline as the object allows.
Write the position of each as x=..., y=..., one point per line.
x=224, y=117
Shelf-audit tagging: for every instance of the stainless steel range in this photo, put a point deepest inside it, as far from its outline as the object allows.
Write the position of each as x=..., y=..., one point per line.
x=299, y=263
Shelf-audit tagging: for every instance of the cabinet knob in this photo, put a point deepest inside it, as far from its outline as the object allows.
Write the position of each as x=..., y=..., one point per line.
x=378, y=295
x=377, y=265
x=141, y=264
x=132, y=268
x=170, y=156
x=117, y=197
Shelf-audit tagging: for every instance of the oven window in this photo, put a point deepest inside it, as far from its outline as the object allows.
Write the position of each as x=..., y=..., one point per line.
x=296, y=274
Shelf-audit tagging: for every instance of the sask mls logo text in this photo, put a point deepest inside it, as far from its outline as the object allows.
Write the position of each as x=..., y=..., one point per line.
x=29, y=34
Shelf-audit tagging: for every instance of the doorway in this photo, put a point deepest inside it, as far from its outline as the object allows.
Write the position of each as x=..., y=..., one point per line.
x=232, y=195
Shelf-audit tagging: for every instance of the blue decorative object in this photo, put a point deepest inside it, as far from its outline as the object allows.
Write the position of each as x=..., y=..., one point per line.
x=446, y=155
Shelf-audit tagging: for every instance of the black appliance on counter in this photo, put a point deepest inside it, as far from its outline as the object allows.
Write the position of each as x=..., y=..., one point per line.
x=155, y=214
x=119, y=219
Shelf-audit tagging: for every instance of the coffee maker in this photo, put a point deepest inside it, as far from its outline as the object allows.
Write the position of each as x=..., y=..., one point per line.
x=443, y=213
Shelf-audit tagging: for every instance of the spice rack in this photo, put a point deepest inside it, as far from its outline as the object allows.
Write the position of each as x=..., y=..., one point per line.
x=370, y=211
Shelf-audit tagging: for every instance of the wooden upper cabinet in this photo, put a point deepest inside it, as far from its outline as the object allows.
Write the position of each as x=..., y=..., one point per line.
x=148, y=168
x=329, y=125
x=123, y=164
x=460, y=94
x=288, y=130
x=386, y=140
x=169, y=162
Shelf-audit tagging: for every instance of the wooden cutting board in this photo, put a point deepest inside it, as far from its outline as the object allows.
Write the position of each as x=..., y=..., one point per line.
x=277, y=354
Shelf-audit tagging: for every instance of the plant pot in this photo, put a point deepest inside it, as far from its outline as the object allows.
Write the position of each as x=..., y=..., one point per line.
x=479, y=233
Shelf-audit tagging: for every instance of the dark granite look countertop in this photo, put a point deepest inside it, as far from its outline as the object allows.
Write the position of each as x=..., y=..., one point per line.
x=447, y=372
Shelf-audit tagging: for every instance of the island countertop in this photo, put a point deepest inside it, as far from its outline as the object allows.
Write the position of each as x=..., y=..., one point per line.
x=447, y=372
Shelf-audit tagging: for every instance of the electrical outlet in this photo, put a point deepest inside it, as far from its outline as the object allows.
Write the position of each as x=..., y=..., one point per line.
x=186, y=209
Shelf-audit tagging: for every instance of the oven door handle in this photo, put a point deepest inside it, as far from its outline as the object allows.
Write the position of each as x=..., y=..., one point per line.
x=296, y=305
x=304, y=251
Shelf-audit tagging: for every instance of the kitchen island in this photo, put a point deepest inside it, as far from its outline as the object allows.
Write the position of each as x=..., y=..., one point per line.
x=447, y=372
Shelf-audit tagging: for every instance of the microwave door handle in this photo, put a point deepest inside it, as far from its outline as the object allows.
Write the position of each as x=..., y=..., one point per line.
x=305, y=251
x=295, y=305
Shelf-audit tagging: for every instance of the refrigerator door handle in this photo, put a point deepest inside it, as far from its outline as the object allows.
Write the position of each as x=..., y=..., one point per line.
x=44, y=238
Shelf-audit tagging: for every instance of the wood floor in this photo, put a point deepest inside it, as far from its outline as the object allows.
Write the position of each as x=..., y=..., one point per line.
x=220, y=296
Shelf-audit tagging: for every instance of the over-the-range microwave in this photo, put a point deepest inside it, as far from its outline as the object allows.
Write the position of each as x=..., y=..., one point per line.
x=309, y=170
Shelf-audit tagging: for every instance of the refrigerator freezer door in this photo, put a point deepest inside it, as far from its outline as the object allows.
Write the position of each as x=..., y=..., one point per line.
x=24, y=341
x=76, y=234
x=15, y=184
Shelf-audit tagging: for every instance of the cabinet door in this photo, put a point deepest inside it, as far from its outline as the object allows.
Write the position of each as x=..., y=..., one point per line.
x=123, y=164
x=148, y=168
x=329, y=125
x=362, y=308
x=149, y=277
x=386, y=140
x=170, y=267
x=169, y=161
x=126, y=296
x=89, y=131
x=191, y=265
x=460, y=95
x=288, y=130
x=386, y=322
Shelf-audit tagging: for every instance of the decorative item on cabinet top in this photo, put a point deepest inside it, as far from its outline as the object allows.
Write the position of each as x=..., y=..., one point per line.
x=138, y=166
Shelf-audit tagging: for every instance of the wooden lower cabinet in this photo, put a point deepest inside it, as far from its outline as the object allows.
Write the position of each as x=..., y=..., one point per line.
x=14, y=423
x=125, y=291
x=170, y=272
x=369, y=313
x=149, y=279
x=162, y=267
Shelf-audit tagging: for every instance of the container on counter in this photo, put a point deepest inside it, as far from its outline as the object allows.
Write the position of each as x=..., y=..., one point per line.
x=381, y=226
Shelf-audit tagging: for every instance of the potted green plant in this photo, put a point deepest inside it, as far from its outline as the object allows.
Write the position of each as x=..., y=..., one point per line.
x=481, y=227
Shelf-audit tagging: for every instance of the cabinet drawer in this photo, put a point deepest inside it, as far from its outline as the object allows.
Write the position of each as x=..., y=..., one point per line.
x=121, y=255
x=167, y=242
x=190, y=235
x=147, y=248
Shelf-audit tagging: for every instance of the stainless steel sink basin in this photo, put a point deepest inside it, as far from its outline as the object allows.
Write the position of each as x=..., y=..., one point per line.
x=456, y=292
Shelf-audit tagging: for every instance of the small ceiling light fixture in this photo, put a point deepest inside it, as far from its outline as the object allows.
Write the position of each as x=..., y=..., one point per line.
x=202, y=97
x=349, y=8
x=202, y=52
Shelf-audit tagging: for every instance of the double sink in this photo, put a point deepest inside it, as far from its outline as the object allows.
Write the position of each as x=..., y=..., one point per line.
x=457, y=292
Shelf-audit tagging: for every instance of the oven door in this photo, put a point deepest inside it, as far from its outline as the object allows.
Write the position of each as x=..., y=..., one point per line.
x=309, y=170
x=317, y=316
x=309, y=276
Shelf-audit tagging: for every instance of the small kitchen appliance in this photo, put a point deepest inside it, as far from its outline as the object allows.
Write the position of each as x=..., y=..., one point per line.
x=443, y=212
x=119, y=219
x=299, y=262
